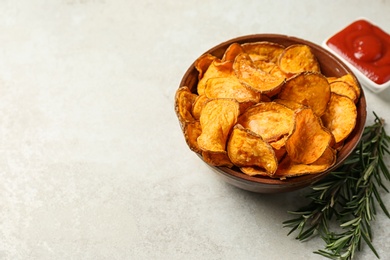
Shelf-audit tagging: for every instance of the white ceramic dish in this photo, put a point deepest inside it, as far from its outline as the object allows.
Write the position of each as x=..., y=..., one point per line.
x=364, y=80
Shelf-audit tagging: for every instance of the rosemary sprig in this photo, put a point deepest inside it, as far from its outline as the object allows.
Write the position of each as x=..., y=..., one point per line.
x=348, y=195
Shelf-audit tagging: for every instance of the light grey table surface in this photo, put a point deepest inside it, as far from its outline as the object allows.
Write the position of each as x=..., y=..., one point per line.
x=93, y=164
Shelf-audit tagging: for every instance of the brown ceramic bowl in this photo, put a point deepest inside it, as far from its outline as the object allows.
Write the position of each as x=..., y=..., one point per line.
x=330, y=66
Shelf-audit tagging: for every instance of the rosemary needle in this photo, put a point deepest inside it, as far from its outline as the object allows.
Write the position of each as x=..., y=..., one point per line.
x=349, y=196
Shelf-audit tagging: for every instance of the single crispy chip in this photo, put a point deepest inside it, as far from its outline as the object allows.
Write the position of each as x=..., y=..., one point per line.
x=217, y=119
x=217, y=158
x=203, y=63
x=253, y=77
x=289, y=168
x=344, y=89
x=254, y=171
x=257, y=171
x=217, y=69
x=265, y=51
x=327, y=158
x=340, y=117
x=309, y=139
x=192, y=131
x=246, y=148
x=230, y=87
x=308, y=88
x=298, y=58
x=270, y=120
x=199, y=102
x=232, y=51
x=351, y=81
x=279, y=143
x=331, y=79
x=184, y=100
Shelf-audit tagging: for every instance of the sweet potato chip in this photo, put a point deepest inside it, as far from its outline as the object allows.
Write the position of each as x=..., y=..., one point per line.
x=184, y=100
x=279, y=143
x=270, y=120
x=230, y=87
x=289, y=168
x=217, y=158
x=309, y=139
x=344, y=89
x=265, y=51
x=199, y=102
x=246, y=148
x=254, y=171
x=217, y=69
x=217, y=119
x=309, y=89
x=298, y=58
x=232, y=51
x=192, y=131
x=203, y=63
x=340, y=116
x=253, y=77
x=353, y=82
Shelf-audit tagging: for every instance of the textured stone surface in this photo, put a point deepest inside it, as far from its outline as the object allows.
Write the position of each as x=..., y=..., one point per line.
x=92, y=161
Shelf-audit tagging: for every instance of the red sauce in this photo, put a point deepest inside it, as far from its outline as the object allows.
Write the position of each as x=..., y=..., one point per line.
x=365, y=46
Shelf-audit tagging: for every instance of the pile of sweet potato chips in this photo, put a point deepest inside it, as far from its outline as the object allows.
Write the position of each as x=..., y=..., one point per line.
x=267, y=110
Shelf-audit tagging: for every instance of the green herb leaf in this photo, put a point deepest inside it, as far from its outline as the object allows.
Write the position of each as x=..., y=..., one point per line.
x=349, y=196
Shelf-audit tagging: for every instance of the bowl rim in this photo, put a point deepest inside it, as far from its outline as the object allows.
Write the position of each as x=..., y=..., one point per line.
x=265, y=184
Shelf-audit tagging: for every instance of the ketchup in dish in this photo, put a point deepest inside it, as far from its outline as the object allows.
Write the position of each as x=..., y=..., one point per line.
x=365, y=46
